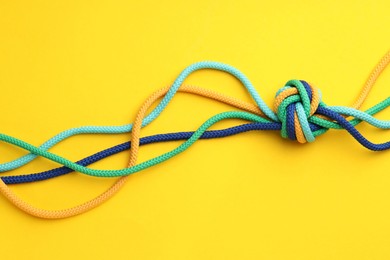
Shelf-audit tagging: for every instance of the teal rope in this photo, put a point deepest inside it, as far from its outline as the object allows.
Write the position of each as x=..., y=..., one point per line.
x=146, y=140
x=304, y=123
x=116, y=173
x=159, y=159
x=359, y=116
x=302, y=102
x=152, y=116
x=305, y=100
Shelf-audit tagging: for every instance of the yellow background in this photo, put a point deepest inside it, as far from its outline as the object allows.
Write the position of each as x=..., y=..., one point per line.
x=253, y=196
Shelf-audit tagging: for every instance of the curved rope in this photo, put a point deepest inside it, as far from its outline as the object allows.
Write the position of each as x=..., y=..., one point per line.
x=322, y=110
x=152, y=116
x=56, y=172
x=110, y=192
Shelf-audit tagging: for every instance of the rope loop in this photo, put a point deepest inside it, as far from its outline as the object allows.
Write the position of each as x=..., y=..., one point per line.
x=294, y=104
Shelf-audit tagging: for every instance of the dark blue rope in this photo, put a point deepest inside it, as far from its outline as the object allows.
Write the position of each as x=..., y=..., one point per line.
x=143, y=141
x=352, y=130
x=290, y=122
x=186, y=135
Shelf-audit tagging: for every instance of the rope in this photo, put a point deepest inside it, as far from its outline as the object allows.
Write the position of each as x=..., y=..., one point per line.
x=84, y=207
x=371, y=80
x=298, y=109
x=153, y=115
x=287, y=109
x=16, y=179
x=210, y=134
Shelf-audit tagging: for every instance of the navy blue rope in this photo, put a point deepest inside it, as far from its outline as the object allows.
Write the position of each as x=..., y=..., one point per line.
x=308, y=89
x=143, y=141
x=352, y=130
x=186, y=135
x=290, y=122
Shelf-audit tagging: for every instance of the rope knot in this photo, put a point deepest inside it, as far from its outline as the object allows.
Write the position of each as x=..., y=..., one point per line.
x=294, y=104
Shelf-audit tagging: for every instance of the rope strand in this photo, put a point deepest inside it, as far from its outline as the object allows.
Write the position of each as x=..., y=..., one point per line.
x=110, y=192
x=15, y=179
x=296, y=112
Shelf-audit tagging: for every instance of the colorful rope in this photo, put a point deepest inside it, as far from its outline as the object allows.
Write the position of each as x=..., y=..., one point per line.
x=211, y=134
x=157, y=111
x=110, y=192
x=152, y=116
x=297, y=108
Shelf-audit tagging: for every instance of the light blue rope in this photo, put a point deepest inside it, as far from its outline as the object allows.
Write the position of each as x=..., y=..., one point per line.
x=152, y=116
x=304, y=123
x=363, y=116
x=196, y=135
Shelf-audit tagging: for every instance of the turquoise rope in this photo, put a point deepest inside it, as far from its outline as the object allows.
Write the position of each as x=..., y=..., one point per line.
x=170, y=94
x=152, y=116
x=304, y=123
x=348, y=111
x=226, y=115
x=359, y=116
x=116, y=173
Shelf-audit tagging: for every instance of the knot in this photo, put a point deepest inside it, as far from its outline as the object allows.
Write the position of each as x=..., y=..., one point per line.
x=294, y=105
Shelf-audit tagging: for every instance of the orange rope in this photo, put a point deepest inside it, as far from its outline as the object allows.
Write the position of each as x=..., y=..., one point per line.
x=58, y=214
x=371, y=80
x=65, y=213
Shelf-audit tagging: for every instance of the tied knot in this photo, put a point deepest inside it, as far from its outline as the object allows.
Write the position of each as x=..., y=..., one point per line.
x=294, y=104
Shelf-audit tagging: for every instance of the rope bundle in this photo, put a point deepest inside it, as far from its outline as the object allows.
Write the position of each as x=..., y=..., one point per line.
x=298, y=113
x=295, y=104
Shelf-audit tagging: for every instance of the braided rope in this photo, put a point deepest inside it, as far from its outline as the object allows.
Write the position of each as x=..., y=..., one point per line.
x=287, y=112
x=16, y=179
x=152, y=116
x=371, y=80
x=299, y=110
x=210, y=134
x=110, y=192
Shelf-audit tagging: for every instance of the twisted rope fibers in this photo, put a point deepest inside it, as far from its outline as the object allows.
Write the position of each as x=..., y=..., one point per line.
x=194, y=137
x=110, y=192
x=210, y=134
x=17, y=179
x=154, y=114
x=322, y=110
x=207, y=135
x=286, y=122
x=69, y=212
